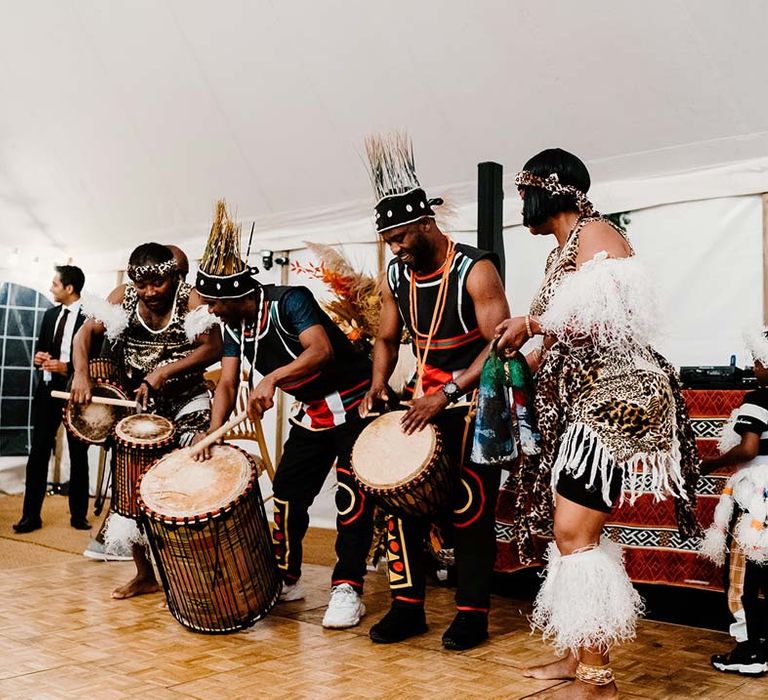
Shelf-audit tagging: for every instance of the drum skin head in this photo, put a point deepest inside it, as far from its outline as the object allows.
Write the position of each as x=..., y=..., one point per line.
x=93, y=422
x=177, y=486
x=385, y=457
x=144, y=429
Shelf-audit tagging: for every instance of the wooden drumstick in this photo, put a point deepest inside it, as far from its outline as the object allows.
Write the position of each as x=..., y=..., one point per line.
x=97, y=399
x=218, y=433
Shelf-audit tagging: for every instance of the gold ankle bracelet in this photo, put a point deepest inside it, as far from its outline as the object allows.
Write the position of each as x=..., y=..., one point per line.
x=594, y=675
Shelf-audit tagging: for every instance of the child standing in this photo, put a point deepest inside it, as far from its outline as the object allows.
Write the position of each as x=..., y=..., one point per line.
x=743, y=509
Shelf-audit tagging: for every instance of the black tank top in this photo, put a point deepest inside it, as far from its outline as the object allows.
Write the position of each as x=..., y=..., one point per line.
x=457, y=341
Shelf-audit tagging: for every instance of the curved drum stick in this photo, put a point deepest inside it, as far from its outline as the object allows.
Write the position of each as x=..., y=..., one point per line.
x=97, y=399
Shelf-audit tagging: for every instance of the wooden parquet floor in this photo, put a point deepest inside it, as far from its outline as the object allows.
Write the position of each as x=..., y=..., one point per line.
x=62, y=636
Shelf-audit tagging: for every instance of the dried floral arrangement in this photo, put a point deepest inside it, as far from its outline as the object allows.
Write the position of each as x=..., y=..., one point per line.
x=357, y=297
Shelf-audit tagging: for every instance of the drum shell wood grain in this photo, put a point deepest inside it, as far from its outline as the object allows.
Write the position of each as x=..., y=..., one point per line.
x=132, y=459
x=427, y=491
x=218, y=570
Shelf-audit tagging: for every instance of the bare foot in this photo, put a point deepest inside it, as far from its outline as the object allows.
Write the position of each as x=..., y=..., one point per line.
x=560, y=669
x=136, y=586
x=581, y=691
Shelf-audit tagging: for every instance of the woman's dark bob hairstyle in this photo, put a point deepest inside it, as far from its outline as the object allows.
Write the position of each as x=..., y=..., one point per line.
x=538, y=204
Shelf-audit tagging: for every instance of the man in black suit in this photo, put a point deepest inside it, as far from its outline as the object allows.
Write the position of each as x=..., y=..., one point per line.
x=54, y=357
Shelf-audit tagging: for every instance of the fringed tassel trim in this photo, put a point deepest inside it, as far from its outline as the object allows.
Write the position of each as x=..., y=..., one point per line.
x=587, y=600
x=581, y=448
x=112, y=316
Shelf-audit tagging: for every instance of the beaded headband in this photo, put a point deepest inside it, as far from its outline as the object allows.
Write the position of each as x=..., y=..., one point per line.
x=525, y=178
x=140, y=273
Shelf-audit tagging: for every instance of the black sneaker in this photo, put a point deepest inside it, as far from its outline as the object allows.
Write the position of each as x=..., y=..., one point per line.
x=400, y=623
x=745, y=658
x=468, y=629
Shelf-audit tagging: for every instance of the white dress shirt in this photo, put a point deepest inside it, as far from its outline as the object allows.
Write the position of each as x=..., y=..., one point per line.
x=69, y=330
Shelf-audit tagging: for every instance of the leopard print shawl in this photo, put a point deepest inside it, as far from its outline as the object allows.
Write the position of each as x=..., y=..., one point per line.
x=599, y=411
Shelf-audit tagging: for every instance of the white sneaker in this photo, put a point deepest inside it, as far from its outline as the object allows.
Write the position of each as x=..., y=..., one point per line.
x=291, y=591
x=96, y=550
x=345, y=608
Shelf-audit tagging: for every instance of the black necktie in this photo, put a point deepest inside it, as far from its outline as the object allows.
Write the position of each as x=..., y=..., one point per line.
x=59, y=335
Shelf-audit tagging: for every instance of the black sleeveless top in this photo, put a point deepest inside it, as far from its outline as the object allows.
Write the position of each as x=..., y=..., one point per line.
x=328, y=397
x=457, y=340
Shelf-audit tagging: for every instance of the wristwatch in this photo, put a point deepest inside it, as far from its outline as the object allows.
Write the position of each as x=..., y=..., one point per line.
x=451, y=391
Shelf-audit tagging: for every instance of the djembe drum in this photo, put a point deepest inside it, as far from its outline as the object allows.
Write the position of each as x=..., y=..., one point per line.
x=209, y=535
x=104, y=369
x=409, y=474
x=93, y=422
x=139, y=441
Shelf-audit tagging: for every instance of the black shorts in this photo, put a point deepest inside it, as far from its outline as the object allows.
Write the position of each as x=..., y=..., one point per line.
x=576, y=489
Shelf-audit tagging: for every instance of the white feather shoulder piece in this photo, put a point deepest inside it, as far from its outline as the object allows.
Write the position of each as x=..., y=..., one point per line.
x=111, y=316
x=611, y=301
x=198, y=321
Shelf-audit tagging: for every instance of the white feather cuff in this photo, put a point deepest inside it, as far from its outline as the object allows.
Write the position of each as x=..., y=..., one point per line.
x=111, y=316
x=610, y=301
x=198, y=321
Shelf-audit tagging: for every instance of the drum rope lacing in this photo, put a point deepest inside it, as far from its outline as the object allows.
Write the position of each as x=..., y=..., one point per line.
x=437, y=316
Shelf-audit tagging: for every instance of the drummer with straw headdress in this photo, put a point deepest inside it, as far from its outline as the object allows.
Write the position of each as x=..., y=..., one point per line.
x=450, y=298
x=284, y=335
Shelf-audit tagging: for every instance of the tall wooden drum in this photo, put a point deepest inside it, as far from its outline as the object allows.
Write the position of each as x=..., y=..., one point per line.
x=409, y=474
x=139, y=441
x=209, y=535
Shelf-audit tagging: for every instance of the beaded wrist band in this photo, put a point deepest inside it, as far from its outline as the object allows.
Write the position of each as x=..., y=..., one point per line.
x=594, y=675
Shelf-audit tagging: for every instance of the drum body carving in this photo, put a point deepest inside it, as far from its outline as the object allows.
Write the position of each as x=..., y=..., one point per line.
x=93, y=422
x=139, y=441
x=104, y=369
x=409, y=474
x=209, y=534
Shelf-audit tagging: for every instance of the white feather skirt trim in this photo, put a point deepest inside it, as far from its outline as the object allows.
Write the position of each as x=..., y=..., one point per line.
x=609, y=301
x=198, y=321
x=587, y=600
x=111, y=316
x=121, y=533
x=747, y=490
x=581, y=448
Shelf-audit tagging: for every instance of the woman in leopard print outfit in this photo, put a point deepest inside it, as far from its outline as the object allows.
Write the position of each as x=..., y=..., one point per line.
x=611, y=416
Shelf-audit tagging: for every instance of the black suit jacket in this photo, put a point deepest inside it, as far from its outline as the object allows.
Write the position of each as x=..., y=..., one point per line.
x=45, y=340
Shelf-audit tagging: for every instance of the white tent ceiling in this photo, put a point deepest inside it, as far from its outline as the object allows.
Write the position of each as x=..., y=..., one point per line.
x=122, y=121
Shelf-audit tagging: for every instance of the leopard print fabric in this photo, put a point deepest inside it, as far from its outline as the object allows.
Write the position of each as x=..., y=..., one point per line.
x=601, y=412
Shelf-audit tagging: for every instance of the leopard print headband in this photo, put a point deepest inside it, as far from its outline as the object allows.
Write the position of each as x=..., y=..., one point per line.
x=525, y=178
x=139, y=273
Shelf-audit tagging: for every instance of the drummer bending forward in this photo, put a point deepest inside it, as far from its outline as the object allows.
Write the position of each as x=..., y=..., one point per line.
x=450, y=298
x=160, y=336
x=285, y=336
